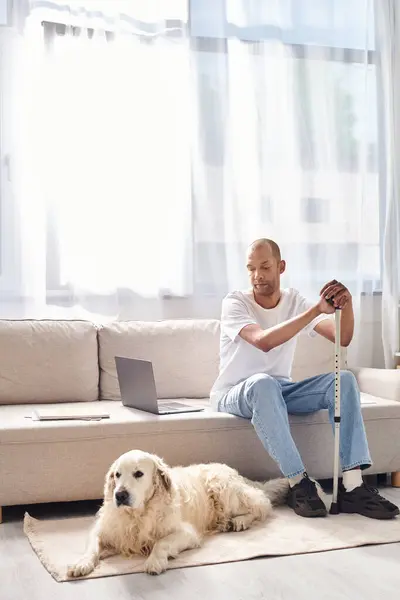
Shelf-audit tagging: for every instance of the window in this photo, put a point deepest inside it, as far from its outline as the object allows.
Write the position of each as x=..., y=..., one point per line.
x=318, y=58
x=267, y=211
x=314, y=210
x=283, y=143
x=5, y=10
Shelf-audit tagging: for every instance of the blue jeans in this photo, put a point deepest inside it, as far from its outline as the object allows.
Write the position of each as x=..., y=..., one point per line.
x=267, y=402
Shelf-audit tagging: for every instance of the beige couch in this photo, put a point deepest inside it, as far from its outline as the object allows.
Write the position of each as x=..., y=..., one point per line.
x=45, y=362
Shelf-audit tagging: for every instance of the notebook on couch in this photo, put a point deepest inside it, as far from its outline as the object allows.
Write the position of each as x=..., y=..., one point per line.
x=65, y=413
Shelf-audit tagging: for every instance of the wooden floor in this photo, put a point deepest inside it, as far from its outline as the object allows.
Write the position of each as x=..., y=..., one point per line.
x=355, y=574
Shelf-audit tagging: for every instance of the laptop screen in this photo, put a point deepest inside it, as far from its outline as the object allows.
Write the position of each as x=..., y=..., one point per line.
x=137, y=384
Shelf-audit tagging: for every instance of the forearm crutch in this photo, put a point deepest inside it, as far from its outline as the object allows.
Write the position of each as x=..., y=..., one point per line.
x=334, y=506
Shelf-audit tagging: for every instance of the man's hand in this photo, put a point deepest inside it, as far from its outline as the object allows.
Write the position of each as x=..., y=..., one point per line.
x=341, y=298
x=337, y=293
x=325, y=307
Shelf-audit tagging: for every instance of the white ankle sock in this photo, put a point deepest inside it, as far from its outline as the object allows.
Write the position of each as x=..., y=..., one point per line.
x=352, y=479
x=295, y=480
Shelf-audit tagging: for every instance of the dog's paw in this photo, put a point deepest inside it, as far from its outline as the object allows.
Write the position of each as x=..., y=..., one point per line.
x=145, y=550
x=238, y=524
x=224, y=526
x=81, y=568
x=155, y=565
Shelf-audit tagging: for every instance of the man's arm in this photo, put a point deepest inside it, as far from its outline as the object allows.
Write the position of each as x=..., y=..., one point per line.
x=342, y=299
x=326, y=328
x=267, y=339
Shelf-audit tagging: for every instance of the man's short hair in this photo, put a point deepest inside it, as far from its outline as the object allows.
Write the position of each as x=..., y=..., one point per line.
x=276, y=251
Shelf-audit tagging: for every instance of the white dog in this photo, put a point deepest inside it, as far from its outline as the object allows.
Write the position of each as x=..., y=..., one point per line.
x=158, y=511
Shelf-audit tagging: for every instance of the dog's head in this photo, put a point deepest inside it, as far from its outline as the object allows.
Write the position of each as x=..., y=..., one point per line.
x=134, y=478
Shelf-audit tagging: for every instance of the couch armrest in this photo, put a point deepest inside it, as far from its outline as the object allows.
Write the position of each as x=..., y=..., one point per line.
x=383, y=383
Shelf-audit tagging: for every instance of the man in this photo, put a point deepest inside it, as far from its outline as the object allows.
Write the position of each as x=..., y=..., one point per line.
x=258, y=337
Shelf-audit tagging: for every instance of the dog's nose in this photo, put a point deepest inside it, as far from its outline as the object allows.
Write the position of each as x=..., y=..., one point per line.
x=122, y=498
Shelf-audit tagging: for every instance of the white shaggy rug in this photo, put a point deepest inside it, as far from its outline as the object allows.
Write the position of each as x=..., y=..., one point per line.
x=58, y=543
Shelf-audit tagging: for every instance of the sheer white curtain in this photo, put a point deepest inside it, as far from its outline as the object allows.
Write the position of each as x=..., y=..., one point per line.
x=158, y=139
x=292, y=153
x=101, y=153
x=123, y=160
x=388, y=35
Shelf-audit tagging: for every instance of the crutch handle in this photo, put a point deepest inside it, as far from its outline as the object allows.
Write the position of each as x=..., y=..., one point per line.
x=330, y=301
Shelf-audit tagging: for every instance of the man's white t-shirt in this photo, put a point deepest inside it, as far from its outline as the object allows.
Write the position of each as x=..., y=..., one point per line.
x=240, y=359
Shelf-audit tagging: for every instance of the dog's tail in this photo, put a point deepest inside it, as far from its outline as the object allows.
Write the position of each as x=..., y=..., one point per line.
x=276, y=489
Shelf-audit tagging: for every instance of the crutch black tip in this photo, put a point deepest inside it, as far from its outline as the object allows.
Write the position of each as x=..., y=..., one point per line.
x=334, y=508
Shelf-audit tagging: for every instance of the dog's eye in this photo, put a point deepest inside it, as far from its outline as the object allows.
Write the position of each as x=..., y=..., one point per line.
x=117, y=475
x=138, y=474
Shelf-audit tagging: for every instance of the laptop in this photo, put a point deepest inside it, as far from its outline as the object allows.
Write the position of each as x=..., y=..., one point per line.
x=138, y=388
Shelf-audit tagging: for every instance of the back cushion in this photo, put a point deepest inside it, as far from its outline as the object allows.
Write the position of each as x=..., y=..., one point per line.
x=184, y=355
x=48, y=361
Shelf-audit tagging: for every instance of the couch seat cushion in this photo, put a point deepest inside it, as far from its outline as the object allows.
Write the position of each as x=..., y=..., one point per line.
x=17, y=428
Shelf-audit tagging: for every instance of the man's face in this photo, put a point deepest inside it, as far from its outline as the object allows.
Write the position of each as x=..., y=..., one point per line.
x=264, y=271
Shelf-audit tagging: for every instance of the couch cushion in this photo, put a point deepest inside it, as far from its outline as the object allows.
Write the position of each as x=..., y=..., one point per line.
x=48, y=361
x=184, y=354
x=16, y=426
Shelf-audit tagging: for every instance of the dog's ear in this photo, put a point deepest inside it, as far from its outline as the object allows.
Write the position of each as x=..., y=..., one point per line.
x=109, y=483
x=163, y=474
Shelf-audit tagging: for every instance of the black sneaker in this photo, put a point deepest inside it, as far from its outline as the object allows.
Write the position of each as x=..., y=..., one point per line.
x=365, y=500
x=303, y=498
